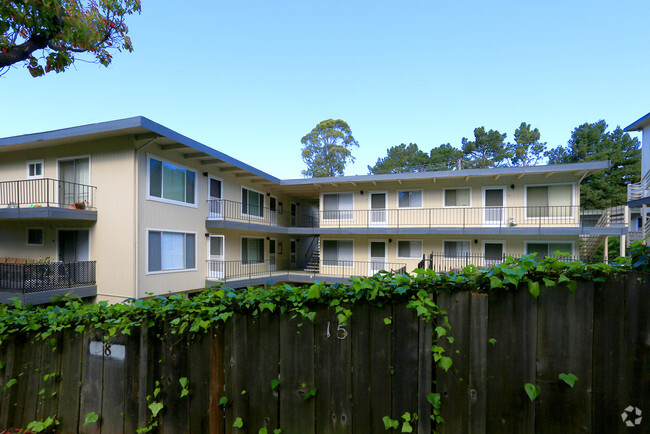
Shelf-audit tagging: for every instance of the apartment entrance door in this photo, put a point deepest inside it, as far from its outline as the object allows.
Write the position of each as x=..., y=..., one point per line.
x=74, y=245
x=272, y=257
x=216, y=265
x=494, y=200
x=293, y=253
x=215, y=206
x=273, y=215
x=377, y=256
x=378, y=213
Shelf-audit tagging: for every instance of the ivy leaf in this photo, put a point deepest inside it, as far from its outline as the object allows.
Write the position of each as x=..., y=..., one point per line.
x=314, y=292
x=445, y=363
x=440, y=331
x=388, y=320
x=532, y=390
x=434, y=399
x=533, y=288
x=238, y=423
x=91, y=417
x=573, y=285
x=11, y=383
x=569, y=379
x=263, y=430
x=275, y=384
x=407, y=416
x=155, y=408
x=390, y=423
x=548, y=282
x=495, y=282
x=223, y=401
x=406, y=427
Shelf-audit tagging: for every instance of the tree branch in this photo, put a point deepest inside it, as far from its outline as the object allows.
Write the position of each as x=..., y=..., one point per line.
x=18, y=53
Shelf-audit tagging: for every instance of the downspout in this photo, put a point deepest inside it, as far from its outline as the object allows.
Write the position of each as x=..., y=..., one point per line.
x=136, y=213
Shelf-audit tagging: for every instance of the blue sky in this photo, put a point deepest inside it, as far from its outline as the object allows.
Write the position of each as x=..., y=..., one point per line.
x=251, y=78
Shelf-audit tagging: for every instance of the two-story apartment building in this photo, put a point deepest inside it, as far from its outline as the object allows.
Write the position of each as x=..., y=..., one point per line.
x=129, y=208
x=638, y=194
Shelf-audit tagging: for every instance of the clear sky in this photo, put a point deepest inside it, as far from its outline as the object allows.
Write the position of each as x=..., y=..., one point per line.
x=251, y=78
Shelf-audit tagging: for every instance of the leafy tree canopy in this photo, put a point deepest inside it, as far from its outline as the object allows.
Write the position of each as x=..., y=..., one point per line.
x=400, y=159
x=592, y=142
x=527, y=149
x=58, y=30
x=326, y=149
x=445, y=157
x=486, y=150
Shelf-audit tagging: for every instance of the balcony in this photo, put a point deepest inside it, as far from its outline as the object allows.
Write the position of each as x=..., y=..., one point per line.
x=638, y=193
x=239, y=274
x=447, y=262
x=47, y=198
x=36, y=283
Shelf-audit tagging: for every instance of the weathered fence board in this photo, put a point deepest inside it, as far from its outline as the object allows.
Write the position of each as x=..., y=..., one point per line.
x=346, y=377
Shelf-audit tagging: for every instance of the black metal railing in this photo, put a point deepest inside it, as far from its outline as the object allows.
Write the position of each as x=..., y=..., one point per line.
x=457, y=261
x=39, y=277
x=230, y=270
x=500, y=217
x=46, y=192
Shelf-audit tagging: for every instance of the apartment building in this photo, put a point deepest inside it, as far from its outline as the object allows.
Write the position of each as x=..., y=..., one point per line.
x=129, y=208
x=638, y=194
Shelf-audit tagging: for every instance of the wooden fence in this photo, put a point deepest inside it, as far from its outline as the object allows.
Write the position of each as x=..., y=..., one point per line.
x=303, y=376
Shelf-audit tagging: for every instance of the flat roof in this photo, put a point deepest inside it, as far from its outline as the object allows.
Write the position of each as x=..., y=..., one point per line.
x=140, y=125
x=639, y=124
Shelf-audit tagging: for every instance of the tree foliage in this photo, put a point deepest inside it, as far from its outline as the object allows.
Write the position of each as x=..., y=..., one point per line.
x=400, y=159
x=592, y=142
x=58, y=30
x=527, y=149
x=444, y=157
x=326, y=149
x=486, y=150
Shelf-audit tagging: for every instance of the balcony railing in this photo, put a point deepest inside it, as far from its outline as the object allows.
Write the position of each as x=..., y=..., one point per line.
x=39, y=277
x=232, y=270
x=46, y=192
x=522, y=216
x=439, y=261
x=639, y=190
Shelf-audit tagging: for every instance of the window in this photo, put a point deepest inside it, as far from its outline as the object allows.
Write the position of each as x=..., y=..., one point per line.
x=252, y=251
x=252, y=203
x=338, y=252
x=409, y=199
x=549, y=201
x=493, y=251
x=549, y=249
x=409, y=249
x=35, y=236
x=457, y=197
x=34, y=169
x=171, y=251
x=338, y=206
x=456, y=249
x=170, y=182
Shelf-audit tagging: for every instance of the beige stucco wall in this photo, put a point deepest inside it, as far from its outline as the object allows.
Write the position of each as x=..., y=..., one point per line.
x=111, y=237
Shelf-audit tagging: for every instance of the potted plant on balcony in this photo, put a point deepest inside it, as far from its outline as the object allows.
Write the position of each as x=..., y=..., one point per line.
x=81, y=204
x=512, y=222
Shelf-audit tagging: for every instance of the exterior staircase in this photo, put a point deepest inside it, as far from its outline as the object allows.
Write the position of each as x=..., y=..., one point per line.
x=313, y=260
x=614, y=216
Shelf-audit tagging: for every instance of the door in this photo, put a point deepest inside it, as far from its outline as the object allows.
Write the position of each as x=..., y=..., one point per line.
x=74, y=246
x=273, y=214
x=294, y=213
x=215, y=204
x=378, y=213
x=216, y=264
x=377, y=256
x=293, y=252
x=493, y=253
x=272, y=258
x=493, y=211
x=74, y=180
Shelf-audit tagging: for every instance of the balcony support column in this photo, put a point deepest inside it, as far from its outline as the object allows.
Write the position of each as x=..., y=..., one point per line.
x=606, y=250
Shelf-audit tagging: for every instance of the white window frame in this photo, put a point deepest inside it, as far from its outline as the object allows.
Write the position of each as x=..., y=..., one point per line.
x=170, y=201
x=180, y=270
x=322, y=258
x=253, y=216
x=410, y=207
x=409, y=257
x=241, y=252
x=219, y=215
x=444, y=196
x=339, y=218
x=42, y=163
x=573, y=200
x=573, y=245
x=444, y=255
x=42, y=229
